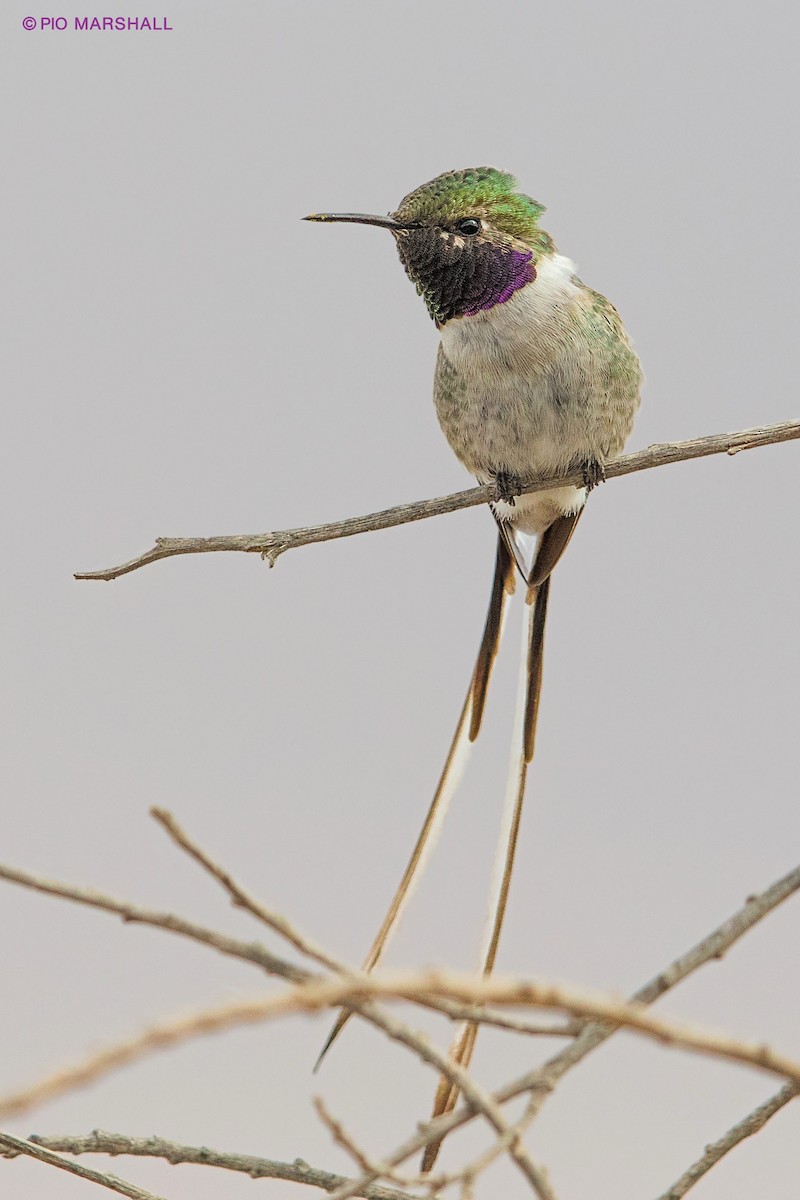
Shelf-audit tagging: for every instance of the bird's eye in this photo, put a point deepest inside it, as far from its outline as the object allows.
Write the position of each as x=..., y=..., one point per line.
x=469, y=226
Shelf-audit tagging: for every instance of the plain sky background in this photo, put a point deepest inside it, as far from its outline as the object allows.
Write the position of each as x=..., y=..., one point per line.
x=183, y=356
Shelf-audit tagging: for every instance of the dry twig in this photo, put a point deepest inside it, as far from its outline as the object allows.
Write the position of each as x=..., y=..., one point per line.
x=298, y=1171
x=252, y=952
x=751, y=1124
x=541, y=1081
x=279, y=924
x=240, y=897
x=348, y=1143
x=15, y=1146
x=314, y=992
x=480, y=1100
x=317, y=994
x=161, y=1036
x=272, y=545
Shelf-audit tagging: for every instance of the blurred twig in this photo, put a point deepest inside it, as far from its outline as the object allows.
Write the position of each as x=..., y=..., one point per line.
x=279, y=924
x=358, y=991
x=272, y=545
x=482, y=1100
x=210, y=1020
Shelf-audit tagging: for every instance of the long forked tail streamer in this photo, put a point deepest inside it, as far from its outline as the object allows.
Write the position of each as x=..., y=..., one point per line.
x=467, y=730
x=464, y=1041
x=551, y=546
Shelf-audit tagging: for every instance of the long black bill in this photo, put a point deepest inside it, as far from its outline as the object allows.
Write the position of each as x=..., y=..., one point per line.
x=357, y=219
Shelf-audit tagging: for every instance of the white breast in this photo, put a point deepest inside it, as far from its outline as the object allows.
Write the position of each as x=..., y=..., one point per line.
x=523, y=331
x=504, y=357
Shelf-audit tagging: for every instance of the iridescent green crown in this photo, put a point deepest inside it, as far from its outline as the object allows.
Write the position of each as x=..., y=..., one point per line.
x=479, y=191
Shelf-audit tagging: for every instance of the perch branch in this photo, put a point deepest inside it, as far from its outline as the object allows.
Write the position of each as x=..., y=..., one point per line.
x=15, y=1146
x=298, y=1171
x=272, y=545
x=752, y=1123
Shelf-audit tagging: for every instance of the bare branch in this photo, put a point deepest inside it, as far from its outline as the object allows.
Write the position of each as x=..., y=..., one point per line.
x=347, y=1143
x=242, y=898
x=752, y=1123
x=497, y=1019
x=541, y=1081
x=272, y=545
x=298, y=1171
x=317, y=994
x=161, y=1036
x=357, y=990
x=278, y=923
x=99, y=1142
x=480, y=1100
x=34, y=1150
x=252, y=952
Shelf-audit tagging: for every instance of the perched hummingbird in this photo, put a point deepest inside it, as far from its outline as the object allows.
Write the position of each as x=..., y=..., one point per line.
x=535, y=375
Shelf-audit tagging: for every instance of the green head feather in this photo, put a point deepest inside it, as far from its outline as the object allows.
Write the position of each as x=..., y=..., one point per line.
x=482, y=192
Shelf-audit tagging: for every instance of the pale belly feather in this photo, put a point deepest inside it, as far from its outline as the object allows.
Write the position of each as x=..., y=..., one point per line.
x=522, y=389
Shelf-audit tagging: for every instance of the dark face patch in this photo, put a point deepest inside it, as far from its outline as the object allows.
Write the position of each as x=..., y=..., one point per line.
x=459, y=276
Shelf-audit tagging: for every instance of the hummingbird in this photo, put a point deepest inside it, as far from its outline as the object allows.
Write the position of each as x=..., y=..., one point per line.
x=535, y=375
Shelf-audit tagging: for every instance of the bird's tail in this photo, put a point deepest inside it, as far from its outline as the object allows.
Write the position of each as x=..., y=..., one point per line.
x=552, y=545
x=467, y=730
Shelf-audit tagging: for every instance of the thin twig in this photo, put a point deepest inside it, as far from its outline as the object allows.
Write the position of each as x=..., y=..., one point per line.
x=279, y=924
x=347, y=1142
x=399, y=1032
x=480, y=1100
x=160, y=1036
x=298, y=1171
x=112, y=1182
x=317, y=994
x=240, y=897
x=252, y=952
x=752, y=1123
x=478, y=1165
x=541, y=1081
x=272, y=545
x=538, y=1082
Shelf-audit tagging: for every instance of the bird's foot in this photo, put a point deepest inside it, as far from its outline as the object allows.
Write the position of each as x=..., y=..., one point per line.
x=593, y=473
x=507, y=486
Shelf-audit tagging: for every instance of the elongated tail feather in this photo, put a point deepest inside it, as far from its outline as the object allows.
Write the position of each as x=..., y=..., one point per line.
x=464, y=1041
x=551, y=546
x=467, y=730
x=502, y=587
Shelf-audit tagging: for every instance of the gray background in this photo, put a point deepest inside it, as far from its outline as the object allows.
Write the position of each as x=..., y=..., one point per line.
x=184, y=356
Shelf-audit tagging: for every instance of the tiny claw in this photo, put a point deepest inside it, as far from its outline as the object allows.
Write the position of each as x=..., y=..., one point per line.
x=507, y=486
x=593, y=473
